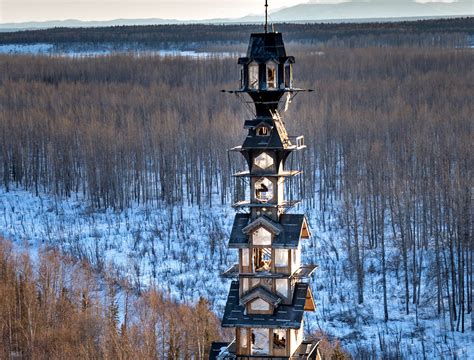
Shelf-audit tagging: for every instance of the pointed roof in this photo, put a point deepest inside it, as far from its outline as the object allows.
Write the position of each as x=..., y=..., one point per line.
x=262, y=293
x=264, y=221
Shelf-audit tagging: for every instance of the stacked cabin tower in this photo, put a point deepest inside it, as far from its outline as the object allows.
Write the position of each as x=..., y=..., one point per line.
x=270, y=290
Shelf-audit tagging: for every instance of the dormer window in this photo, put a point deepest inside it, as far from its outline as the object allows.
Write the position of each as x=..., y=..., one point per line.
x=259, y=305
x=271, y=75
x=263, y=190
x=253, y=75
x=262, y=131
x=262, y=236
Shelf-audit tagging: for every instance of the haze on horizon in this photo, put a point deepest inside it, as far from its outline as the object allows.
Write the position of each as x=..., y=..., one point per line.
x=87, y=10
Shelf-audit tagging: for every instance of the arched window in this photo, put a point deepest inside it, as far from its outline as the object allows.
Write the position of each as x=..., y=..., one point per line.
x=253, y=75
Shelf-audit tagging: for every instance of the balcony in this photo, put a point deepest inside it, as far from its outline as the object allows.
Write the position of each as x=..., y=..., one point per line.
x=285, y=173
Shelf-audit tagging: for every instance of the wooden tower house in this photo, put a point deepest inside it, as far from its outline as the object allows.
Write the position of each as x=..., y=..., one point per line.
x=270, y=291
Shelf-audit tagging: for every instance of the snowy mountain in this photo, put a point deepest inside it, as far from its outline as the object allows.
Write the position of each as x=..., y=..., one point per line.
x=354, y=11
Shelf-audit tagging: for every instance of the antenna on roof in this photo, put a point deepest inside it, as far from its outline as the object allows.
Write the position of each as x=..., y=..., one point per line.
x=266, y=16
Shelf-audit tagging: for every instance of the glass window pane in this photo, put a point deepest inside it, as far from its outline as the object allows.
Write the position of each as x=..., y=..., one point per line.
x=271, y=76
x=245, y=257
x=279, y=339
x=281, y=257
x=288, y=76
x=281, y=286
x=260, y=341
x=262, y=259
x=243, y=338
x=262, y=236
x=260, y=305
x=263, y=161
x=264, y=190
x=253, y=76
x=245, y=285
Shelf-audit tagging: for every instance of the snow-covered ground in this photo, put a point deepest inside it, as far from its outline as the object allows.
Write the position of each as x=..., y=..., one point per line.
x=82, y=50
x=183, y=250
x=31, y=49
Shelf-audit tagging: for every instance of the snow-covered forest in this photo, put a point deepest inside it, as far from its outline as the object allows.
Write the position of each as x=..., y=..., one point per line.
x=120, y=161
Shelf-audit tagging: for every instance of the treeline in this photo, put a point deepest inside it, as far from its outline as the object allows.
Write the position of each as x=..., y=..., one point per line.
x=56, y=308
x=390, y=149
x=438, y=32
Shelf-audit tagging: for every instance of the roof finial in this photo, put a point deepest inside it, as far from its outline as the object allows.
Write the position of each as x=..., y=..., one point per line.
x=266, y=16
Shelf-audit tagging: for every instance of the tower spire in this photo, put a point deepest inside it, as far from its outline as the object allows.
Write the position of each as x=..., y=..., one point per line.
x=266, y=16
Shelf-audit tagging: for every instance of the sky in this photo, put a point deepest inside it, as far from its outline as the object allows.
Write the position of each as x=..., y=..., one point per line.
x=42, y=10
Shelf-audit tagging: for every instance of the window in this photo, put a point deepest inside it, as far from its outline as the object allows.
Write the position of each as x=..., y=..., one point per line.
x=263, y=161
x=264, y=190
x=260, y=341
x=245, y=257
x=259, y=305
x=271, y=75
x=262, y=259
x=281, y=257
x=281, y=286
x=279, y=339
x=262, y=131
x=288, y=75
x=295, y=258
x=243, y=338
x=262, y=236
x=245, y=285
x=253, y=75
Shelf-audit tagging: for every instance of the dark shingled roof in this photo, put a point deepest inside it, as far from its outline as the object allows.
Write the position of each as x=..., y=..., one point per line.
x=290, y=237
x=292, y=225
x=237, y=236
x=267, y=45
x=272, y=141
x=284, y=317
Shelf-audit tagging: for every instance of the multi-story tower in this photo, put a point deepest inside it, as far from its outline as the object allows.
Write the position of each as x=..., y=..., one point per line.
x=269, y=295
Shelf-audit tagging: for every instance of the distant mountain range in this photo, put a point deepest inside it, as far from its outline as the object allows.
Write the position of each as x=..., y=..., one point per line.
x=354, y=11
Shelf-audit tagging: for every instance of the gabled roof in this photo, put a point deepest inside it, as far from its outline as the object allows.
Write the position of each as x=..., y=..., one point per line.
x=294, y=227
x=262, y=293
x=284, y=316
x=252, y=124
x=264, y=221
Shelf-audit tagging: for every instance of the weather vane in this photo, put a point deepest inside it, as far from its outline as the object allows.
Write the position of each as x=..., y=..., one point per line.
x=266, y=16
